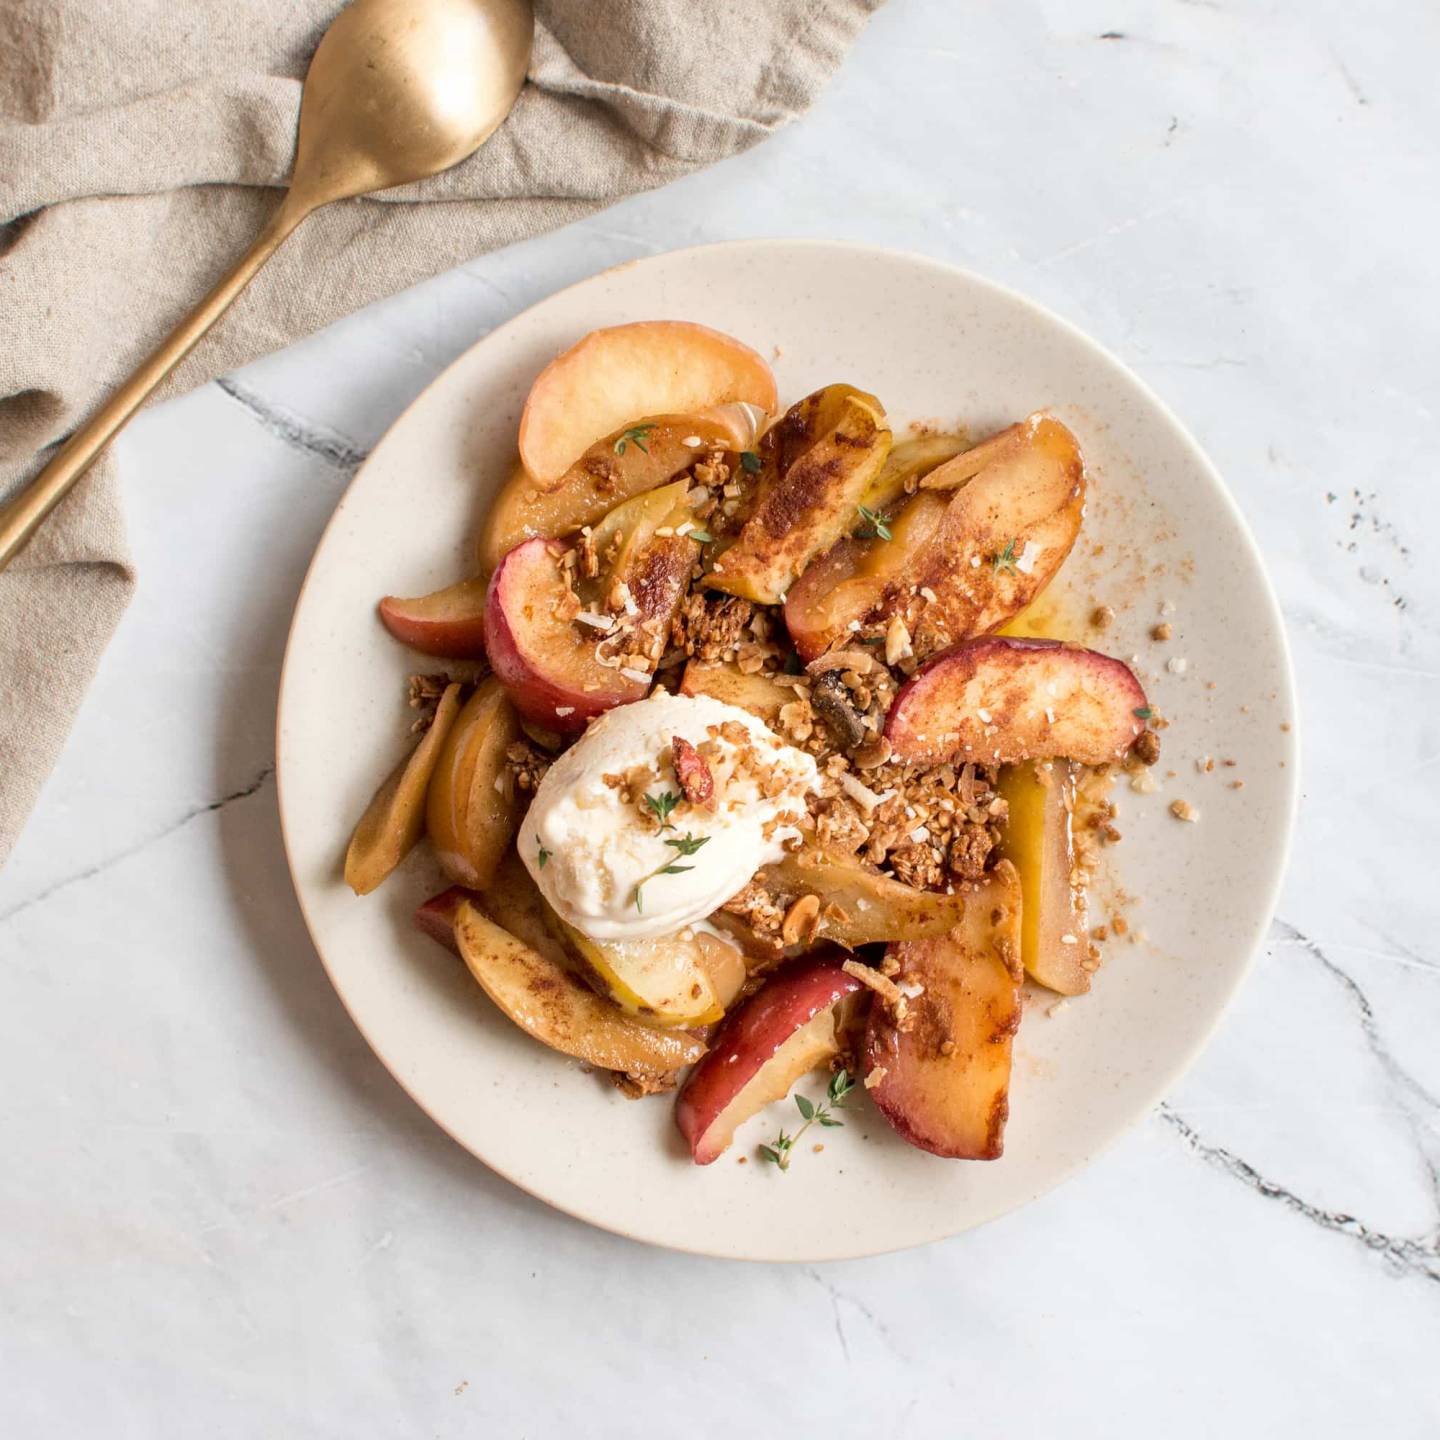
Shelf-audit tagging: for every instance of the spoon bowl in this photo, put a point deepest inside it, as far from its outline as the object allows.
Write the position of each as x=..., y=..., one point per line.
x=399, y=90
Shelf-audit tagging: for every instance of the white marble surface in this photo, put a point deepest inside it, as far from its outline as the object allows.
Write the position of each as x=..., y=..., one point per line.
x=221, y=1217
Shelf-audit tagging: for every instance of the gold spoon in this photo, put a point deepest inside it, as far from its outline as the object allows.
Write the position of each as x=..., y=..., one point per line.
x=398, y=89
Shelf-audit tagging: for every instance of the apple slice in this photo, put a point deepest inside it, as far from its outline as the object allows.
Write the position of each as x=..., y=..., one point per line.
x=909, y=461
x=471, y=811
x=393, y=820
x=943, y=1083
x=784, y=1030
x=610, y=472
x=553, y=1006
x=1037, y=840
x=449, y=623
x=758, y=694
x=435, y=917
x=863, y=580
x=666, y=980
x=816, y=463
x=1000, y=699
x=549, y=670
x=611, y=376
x=1012, y=510
x=859, y=906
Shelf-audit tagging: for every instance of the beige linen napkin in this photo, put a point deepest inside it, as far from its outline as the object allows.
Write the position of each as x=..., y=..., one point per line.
x=140, y=143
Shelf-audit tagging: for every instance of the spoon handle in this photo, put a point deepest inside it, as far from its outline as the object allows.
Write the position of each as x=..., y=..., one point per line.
x=22, y=516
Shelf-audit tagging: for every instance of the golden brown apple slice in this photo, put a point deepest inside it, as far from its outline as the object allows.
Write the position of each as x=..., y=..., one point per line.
x=862, y=577
x=759, y=694
x=514, y=902
x=666, y=980
x=393, y=820
x=859, y=906
x=1037, y=840
x=611, y=471
x=943, y=1083
x=817, y=462
x=782, y=1032
x=449, y=622
x=554, y=1007
x=1012, y=511
x=908, y=461
x=611, y=376
x=1000, y=699
x=471, y=811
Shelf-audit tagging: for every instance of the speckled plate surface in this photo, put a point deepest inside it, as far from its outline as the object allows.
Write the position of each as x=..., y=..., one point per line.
x=938, y=346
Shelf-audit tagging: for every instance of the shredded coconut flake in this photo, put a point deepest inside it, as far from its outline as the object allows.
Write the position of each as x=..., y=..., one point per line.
x=595, y=619
x=860, y=793
x=641, y=677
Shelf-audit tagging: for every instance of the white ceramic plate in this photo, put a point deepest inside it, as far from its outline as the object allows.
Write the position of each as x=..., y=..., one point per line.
x=937, y=345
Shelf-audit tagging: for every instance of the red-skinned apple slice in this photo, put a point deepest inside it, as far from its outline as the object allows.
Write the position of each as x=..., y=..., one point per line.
x=435, y=917
x=943, y=1082
x=999, y=699
x=783, y=1031
x=449, y=623
x=612, y=376
x=549, y=671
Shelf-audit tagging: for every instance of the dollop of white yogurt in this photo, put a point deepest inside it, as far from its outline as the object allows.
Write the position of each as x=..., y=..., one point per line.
x=599, y=847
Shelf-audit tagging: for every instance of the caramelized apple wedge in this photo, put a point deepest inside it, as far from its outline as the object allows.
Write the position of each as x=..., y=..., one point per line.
x=862, y=577
x=943, y=1082
x=549, y=669
x=666, y=980
x=449, y=623
x=1037, y=840
x=608, y=378
x=782, y=1032
x=758, y=694
x=816, y=464
x=610, y=472
x=1011, y=511
x=860, y=906
x=908, y=462
x=1000, y=699
x=550, y=1004
x=471, y=811
x=393, y=820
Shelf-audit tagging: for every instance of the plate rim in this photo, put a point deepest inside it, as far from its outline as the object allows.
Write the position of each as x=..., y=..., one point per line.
x=1279, y=863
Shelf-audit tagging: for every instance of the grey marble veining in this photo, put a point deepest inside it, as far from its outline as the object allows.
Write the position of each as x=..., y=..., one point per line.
x=222, y=1217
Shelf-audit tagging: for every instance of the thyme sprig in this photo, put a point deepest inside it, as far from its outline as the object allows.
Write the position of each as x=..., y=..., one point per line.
x=778, y=1152
x=686, y=846
x=878, y=530
x=636, y=435
x=661, y=805
x=1006, y=562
